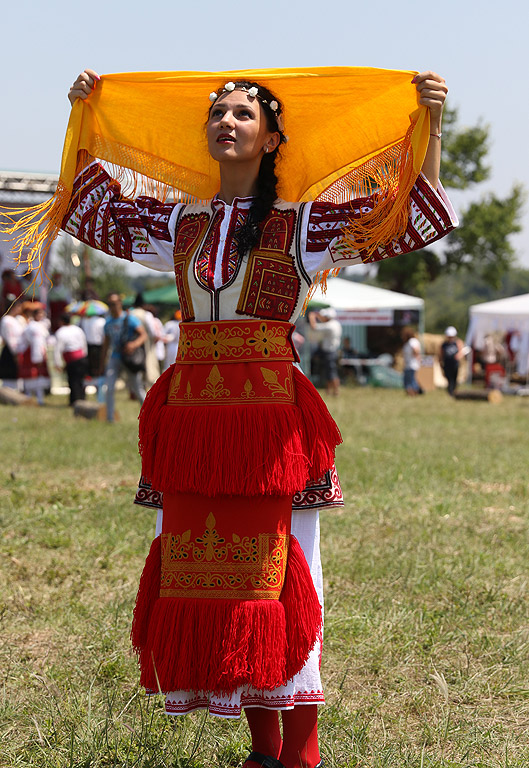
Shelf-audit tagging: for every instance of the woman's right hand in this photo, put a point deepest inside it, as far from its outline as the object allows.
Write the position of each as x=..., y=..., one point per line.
x=83, y=86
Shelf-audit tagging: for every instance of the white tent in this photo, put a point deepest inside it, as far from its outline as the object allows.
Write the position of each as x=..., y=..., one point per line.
x=360, y=304
x=503, y=315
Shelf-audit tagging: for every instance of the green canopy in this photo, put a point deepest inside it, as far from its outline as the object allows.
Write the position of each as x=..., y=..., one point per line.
x=166, y=294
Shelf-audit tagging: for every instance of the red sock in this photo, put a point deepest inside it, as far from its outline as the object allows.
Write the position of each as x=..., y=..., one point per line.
x=264, y=727
x=300, y=737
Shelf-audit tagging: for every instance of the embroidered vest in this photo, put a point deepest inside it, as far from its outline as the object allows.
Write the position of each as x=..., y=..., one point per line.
x=269, y=284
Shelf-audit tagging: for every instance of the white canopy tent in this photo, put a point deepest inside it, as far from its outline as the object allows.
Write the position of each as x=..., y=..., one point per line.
x=503, y=315
x=360, y=304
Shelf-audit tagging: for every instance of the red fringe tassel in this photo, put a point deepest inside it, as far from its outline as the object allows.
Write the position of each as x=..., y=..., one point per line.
x=302, y=609
x=148, y=594
x=243, y=450
x=219, y=645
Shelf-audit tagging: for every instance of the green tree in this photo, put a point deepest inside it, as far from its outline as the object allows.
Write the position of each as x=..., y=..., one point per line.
x=481, y=243
x=108, y=274
x=449, y=297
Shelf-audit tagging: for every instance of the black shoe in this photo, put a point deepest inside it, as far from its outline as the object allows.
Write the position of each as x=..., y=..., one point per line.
x=266, y=761
x=272, y=762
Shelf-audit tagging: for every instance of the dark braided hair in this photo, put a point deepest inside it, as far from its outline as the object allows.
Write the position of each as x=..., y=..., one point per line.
x=248, y=235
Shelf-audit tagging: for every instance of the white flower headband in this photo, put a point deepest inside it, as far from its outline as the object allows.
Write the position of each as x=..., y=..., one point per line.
x=254, y=93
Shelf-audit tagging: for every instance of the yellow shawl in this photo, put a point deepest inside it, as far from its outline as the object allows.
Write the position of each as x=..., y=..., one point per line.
x=351, y=131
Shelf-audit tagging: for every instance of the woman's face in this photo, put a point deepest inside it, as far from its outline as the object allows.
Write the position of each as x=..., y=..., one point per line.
x=237, y=129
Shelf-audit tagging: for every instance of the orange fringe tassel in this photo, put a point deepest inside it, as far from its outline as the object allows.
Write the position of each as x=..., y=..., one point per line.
x=389, y=176
x=35, y=228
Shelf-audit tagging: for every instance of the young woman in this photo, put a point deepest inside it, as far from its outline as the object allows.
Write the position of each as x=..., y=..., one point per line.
x=33, y=347
x=233, y=436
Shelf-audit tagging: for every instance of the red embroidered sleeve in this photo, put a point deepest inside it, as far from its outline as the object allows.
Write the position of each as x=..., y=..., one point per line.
x=101, y=217
x=431, y=217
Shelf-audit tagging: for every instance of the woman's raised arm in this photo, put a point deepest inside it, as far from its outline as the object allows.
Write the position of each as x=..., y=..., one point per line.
x=432, y=91
x=135, y=230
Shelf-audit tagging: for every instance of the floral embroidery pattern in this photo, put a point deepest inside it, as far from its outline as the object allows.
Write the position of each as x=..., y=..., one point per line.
x=214, y=385
x=188, y=239
x=236, y=351
x=175, y=383
x=248, y=392
x=271, y=380
x=226, y=340
x=236, y=383
x=216, y=343
x=266, y=340
x=247, y=567
x=211, y=542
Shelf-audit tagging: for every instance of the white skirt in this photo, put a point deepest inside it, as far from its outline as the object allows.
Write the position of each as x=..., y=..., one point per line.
x=303, y=688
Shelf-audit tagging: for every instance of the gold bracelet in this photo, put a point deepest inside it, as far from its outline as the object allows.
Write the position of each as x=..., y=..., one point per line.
x=437, y=135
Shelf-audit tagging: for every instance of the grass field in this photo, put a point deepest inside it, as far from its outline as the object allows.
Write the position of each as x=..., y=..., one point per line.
x=426, y=660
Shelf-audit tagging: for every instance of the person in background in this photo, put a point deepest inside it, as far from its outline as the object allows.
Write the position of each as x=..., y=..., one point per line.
x=71, y=347
x=172, y=337
x=493, y=351
x=494, y=358
x=412, y=361
x=347, y=351
x=94, y=330
x=512, y=345
x=58, y=299
x=89, y=291
x=450, y=354
x=34, y=349
x=11, y=330
x=158, y=335
x=121, y=329
x=330, y=330
x=347, y=354
x=298, y=340
x=12, y=289
x=143, y=312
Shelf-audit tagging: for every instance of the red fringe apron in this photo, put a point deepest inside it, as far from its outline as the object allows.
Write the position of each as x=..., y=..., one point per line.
x=229, y=434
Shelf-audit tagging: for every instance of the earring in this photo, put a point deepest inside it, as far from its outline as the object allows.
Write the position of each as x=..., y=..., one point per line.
x=265, y=149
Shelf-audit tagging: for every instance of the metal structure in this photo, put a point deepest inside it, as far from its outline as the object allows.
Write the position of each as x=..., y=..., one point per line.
x=18, y=189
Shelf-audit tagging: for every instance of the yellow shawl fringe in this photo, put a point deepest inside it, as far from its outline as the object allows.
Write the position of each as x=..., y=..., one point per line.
x=353, y=131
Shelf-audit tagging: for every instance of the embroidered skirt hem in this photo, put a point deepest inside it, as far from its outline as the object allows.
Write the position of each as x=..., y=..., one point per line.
x=304, y=688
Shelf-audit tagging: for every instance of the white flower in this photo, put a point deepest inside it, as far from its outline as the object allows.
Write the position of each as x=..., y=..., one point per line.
x=253, y=92
x=229, y=86
x=274, y=106
x=213, y=96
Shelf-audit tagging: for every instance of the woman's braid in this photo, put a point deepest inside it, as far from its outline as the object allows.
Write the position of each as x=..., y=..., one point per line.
x=248, y=235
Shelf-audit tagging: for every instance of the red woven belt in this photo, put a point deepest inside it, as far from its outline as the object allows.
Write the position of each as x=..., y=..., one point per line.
x=233, y=362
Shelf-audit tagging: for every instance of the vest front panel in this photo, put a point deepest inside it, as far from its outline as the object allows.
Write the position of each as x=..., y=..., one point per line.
x=268, y=284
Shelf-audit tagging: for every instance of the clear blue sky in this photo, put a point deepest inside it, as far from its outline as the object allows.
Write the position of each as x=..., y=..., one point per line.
x=479, y=47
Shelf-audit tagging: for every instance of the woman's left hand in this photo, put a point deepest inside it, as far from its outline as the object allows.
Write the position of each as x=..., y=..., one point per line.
x=432, y=91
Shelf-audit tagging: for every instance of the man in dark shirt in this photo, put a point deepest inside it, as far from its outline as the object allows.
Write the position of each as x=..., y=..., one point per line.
x=449, y=356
